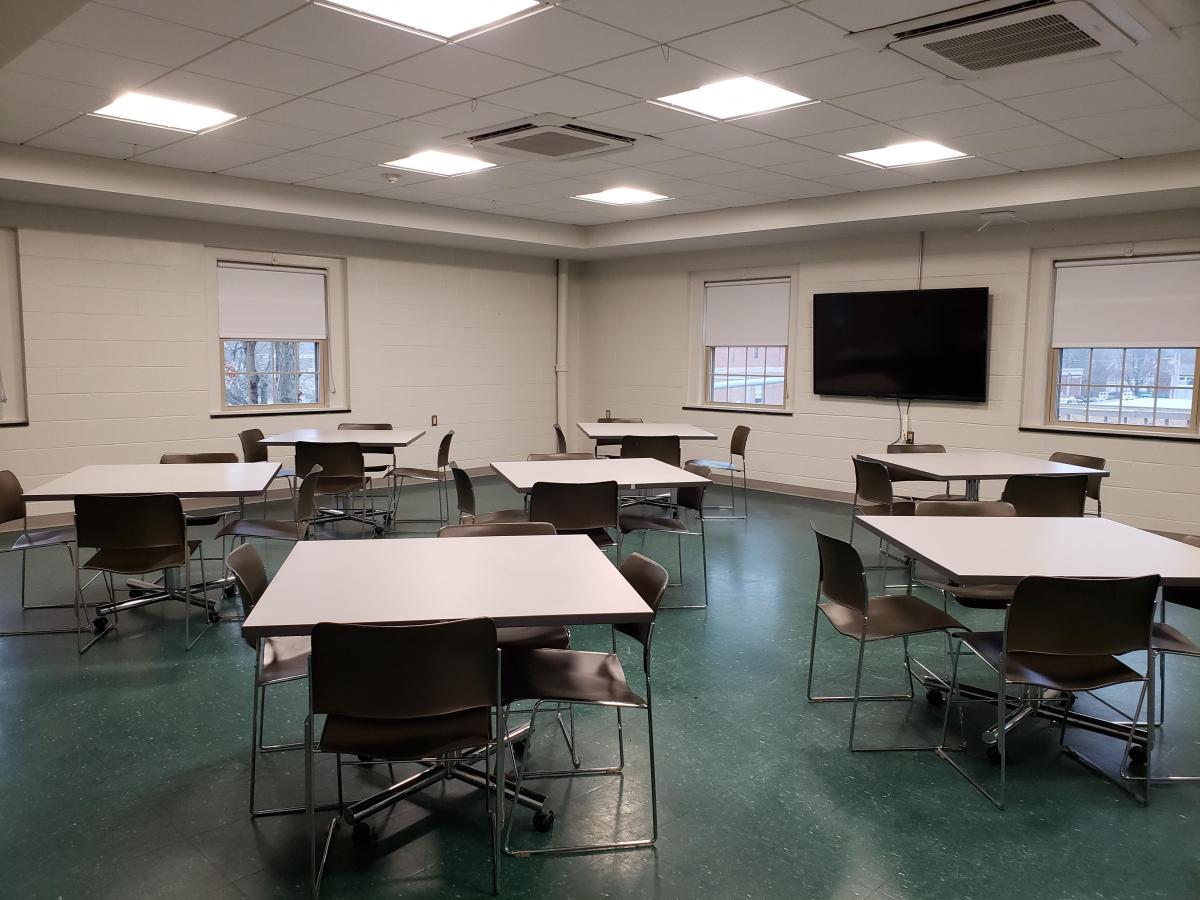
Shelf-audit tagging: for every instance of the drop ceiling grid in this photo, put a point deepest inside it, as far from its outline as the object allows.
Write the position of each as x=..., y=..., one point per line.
x=326, y=95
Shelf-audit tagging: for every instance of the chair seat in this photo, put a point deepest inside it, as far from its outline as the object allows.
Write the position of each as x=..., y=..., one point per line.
x=406, y=738
x=1165, y=638
x=45, y=537
x=571, y=676
x=1050, y=670
x=634, y=522
x=890, y=616
x=898, y=508
x=284, y=658
x=140, y=560
x=415, y=472
x=977, y=596
x=501, y=516
x=384, y=468
x=533, y=637
x=286, y=473
x=200, y=520
x=723, y=464
x=943, y=496
x=268, y=529
x=340, y=484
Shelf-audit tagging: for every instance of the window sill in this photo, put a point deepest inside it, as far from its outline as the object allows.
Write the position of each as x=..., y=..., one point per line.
x=15, y=423
x=1187, y=438
x=752, y=410
x=258, y=413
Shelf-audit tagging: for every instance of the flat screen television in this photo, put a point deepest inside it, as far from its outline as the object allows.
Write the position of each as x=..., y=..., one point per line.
x=907, y=345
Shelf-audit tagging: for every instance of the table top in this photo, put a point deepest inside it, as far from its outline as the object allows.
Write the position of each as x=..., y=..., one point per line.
x=1005, y=550
x=397, y=437
x=644, y=429
x=184, y=480
x=561, y=580
x=975, y=464
x=627, y=473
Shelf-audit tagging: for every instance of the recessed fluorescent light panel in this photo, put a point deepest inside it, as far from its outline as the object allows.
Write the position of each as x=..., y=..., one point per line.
x=735, y=97
x=435, y=162
x=622, y=196
x=163, y=113
x=441, y=18
x=912, y=153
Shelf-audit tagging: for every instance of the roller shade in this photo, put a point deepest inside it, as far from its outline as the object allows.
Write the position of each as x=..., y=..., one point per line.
x=1147, y=302
x=270, y=302
x=747, y=313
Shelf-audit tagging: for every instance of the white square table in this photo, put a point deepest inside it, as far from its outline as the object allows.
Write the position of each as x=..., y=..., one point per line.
x=190, y=481
x=627, y=473
x=397, y=437
x=618, y=430
x=973, y=466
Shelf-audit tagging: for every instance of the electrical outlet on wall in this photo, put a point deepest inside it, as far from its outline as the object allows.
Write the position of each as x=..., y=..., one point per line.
x=433, y=419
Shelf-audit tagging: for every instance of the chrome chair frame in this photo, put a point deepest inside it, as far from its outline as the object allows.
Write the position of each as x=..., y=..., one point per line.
x=441, y=478
x=37, y=539
x=733, y=470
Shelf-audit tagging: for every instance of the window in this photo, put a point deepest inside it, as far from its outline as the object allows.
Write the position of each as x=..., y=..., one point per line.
x=746, y=330
x=1124, y=339
x=12, y=358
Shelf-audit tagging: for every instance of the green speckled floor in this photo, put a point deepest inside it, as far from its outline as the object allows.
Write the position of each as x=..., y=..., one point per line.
x=125, y=771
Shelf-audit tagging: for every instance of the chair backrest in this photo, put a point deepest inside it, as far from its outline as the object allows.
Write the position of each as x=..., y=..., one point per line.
x=737, y=446
x=1046, y=495
x=548, y=457
x=560, y=440
x=406, y=671
x=664, y=449
x=575, y=507
x=1087, y=462
x=872, y=481
x=1188, y=596
x=1081, y=616
x=842, y=579
x=12, y=498
x=973, y=508
x=252, y=450
x=692, y=497
x=916, y=448
x=443, y=457
x=131, y=522
x=499, y=529
x=250, y=576
x=633, y=421
x=305, y=505
x=465, y=491
x=174, y=459
x=369, y=426
x=338, y=460
x=649, y=579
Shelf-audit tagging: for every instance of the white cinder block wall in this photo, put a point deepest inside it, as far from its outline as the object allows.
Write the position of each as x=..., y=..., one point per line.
x=630, y=325
x=118, y=355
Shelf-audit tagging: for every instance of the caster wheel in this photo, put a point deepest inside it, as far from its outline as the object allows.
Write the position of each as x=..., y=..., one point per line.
x=935, y=697
x=993, y=754
x=379, y=530
x=230, y=590
x=518, y=748
x=543, y=820
x=214, y=618
x=99, y=625
x=362, y=834
x=1137, y=755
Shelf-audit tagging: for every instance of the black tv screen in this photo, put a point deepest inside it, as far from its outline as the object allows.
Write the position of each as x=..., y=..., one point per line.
x=908, y=345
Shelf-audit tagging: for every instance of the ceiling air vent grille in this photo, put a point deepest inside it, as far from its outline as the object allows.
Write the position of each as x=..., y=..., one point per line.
x=1020, y=42
x=550, y=137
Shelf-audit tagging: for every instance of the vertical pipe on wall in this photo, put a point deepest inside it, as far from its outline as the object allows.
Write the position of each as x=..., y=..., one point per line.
x=560, y=358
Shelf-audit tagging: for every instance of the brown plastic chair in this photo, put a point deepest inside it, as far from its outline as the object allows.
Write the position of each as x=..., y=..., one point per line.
x=376, y=449
x=898, y=475
x=975, y=596
x=590, y=508
x=404, y=693
x=13, y=509
x=465, y=491
x=343, y=476
x=853, y=613
x=551, y=678
x=278, y=529
x=132, y=535
x=253, y=451
x=439, y=475
x=550, y=457
x=200, y=519
x=560, y=440
x=1046, y=495
x=277, y=661
x=664, y=449
x=499, y=529
x=1087, y=462
x=873, y=493
x=1054, y=640
x=616, y=441
x=737, y=447
x=686, y=498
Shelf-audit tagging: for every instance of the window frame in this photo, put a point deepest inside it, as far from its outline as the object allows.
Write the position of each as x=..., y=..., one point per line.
x=710, y=353
x=13, y=364
x=322, y=401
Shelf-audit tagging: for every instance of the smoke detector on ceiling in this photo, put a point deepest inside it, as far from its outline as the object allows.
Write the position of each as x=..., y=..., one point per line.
x=549, y=137
x=1000, y=36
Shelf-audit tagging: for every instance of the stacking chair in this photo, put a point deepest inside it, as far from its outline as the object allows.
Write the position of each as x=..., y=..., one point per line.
x=277, y=660
x=500, y=529
x=439, y=475
x=465, y=491
x=204, y=517
x=132, y=535
x=975, y=596
x=551, y=678
x=560, y=440
x=737, y=447
x=873, y=493
x=547, y=457
x=686, y=498
x=664, y=449
x=1055, y=640
x=1088, y=462
x=12, y=509
x=612, y=442
x=1046, y=495
x=590, y=508
x=253, y=451
x=375, y=468
x=342, y=476
x=407, y=693
x=901, y=477
x=853, y=613
x=279, y=529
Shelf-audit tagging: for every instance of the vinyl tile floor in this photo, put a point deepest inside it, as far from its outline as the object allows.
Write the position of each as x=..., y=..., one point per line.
x=125, y=771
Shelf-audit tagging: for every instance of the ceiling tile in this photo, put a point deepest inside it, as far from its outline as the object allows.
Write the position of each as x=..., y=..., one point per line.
x=1068, y=154
x=1044, y=79
x=230, y=96
x=815, y=118
x=646, y=151
x=66, y=95
x=144, y=137
x=116, y=73
x=345, y=40
x=573, y=168
x=20, y=122
x=229, y=17
x=358, y=150
x=461, y=70
x=673, y=207
x=694, y=166
x=1126, y=121
x=845, y=73
x=268, y=172
x=713, y=136
x=516, y=195
x=746, y=179
x=1178, y=50
x=567, y=187
x=730, y=199
x=916, y=98
x=273, y=134
x=1090, y=100
x=799, y=189
x=1148, y=143
x=1192, y=106
x=129, y=34
x=318, y=163
x=557, y=40
x=658, y=182
x=327, y=117
x=953, y=169
x=957, y=122
x=471, y=116
x=768, y=42
x=206, y=153
x=410, y=193
x=875, y=179
x=1176, y=84
x=490, y=180
x=273, y=69
x=861, y=16
x=1011, y=139
x=820, y=168
x=561, y=95
x=650, y=75
x=773, y=153
x=865, y=137
x=385, y=95
x=72, y=143
x=666, y=20
x=646, y=118
x=406, y=135
x=341, y=183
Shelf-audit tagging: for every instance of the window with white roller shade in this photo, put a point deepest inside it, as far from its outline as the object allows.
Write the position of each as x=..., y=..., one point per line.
x=12, y=356
x=269, y=302
x=747, y=313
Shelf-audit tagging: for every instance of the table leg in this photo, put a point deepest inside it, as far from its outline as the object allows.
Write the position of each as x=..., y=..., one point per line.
x=972, y=488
